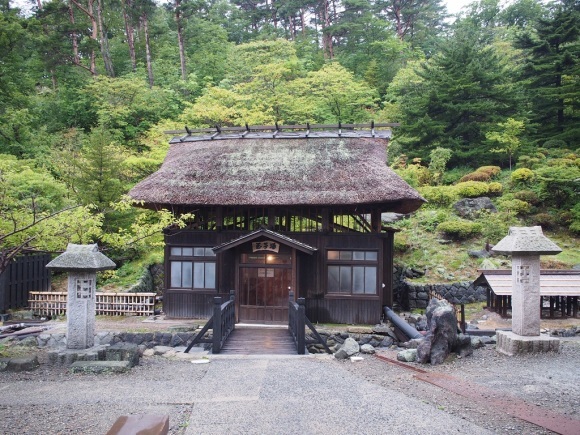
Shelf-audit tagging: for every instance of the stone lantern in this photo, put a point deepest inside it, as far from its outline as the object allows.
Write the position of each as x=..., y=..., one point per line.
x=82, y=262
x=525, y=245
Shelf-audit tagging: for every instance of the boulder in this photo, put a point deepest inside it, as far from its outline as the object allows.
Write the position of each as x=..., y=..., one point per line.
x=463, y=346
x=350, y=346
x=408, y=355
x=442, y=333
x=470, y=208
x=367, y=348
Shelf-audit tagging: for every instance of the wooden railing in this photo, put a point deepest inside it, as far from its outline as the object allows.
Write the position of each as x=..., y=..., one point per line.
x=222, y=323
x=297, y=323
x=106, y=304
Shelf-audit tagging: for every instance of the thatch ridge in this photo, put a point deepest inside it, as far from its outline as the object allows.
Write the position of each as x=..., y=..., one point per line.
x=278, y=172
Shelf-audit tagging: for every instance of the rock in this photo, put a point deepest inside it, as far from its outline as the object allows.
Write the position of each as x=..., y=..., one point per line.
x=442, y=333
x=476, y=343
x=341, y=354
x=124, y=352
x=350, y=346
x=148, y=352
x=488, y=340
x=389, y=218
x=360, y=330
x=463, y=346
x=367, y=348
x=479, y=254
x=25, y=364
x=382, y=329
x=470, y=208
x=160, y=350
x=29, y=342
x=413, y=343
x=387, y=342
x=100, y=366
x=409, y=355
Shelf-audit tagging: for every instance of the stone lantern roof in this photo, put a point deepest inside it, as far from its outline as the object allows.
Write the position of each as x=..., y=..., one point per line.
x=81, y=258
x=526, y=241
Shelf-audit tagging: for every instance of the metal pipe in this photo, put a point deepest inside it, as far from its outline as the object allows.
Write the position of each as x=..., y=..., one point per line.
x=400, y=324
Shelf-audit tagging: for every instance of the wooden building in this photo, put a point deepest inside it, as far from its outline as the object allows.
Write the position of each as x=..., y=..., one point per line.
x=279, y=210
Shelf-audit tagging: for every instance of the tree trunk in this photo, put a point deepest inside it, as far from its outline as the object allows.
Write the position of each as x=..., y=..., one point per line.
x=104, y=41
x=129, y=31
x=326, y=36
x=75, y=42
x=178, y=21
x=94, y=35
x=145, y=23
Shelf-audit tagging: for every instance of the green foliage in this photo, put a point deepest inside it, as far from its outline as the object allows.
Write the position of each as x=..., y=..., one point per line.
x=430, y=219
x=439, y=158
x=545, y=220
x=415, y=174
x=509, y=204
x=460, y=229
x=575, y=223
x=472, y=189
x=494, y=188
x=522, y=176
x=495, y=226
x=454, y=174
x=558, y=185
x=476, y=176
x=507, y=137
x=442, y=196
x=528, y=196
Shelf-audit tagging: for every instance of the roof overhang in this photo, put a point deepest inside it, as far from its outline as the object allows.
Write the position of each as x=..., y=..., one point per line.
x=277, y=237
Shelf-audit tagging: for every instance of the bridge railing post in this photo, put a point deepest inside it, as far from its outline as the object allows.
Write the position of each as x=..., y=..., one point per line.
x=217, y=324
x=300, y=327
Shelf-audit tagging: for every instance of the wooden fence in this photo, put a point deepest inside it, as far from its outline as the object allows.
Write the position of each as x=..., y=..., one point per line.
x=25, y=274
x=107, y=304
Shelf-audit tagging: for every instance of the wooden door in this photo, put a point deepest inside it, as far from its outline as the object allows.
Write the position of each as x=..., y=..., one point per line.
x=264, y=294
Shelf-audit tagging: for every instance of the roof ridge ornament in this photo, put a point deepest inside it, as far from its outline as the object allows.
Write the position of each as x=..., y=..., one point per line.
x=278, y=131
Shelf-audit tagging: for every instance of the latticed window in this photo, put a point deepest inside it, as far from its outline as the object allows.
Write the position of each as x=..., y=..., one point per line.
x=192, y=268
x=352, y=272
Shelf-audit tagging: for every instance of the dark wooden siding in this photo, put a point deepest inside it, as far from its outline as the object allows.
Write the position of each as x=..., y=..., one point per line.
x=311, y=276
x=350, y=311
x=189, y=304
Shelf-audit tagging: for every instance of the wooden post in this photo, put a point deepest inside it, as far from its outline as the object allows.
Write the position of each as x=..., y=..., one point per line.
x=217, y=324
x=300, y=325
x=232, y=295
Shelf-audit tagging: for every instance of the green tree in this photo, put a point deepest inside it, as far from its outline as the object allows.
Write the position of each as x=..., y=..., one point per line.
x=552, y=72
x=508, y=138
x=464, y=90
x=439, y=158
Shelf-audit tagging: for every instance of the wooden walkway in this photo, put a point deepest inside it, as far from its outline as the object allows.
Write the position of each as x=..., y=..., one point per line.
x=259, y=340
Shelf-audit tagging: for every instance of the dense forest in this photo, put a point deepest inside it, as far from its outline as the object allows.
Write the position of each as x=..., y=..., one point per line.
x=488, y=101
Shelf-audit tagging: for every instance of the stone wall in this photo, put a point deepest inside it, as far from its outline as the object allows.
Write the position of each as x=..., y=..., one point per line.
x=410, y=295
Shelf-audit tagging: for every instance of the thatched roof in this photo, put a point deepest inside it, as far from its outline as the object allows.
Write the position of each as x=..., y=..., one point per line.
x=266, y=171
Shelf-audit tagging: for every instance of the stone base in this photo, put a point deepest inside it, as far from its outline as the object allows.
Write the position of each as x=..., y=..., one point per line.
x=509, y=343
x=100, y=366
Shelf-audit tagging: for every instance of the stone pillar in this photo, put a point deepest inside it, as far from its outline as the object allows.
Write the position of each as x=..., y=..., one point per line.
x=526, y=295
x=525, y=245
x=82, y=263
x=80, y=310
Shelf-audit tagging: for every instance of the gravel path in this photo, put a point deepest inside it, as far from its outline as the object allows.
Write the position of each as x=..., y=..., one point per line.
x=288, y=395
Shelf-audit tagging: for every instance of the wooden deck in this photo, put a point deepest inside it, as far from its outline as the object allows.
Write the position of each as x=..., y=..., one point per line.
x=259, y=340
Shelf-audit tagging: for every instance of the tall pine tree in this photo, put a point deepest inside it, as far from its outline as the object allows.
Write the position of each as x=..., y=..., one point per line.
x=552, y=72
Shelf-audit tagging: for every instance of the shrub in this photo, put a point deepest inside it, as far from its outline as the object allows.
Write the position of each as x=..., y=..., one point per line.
x=495, y=226
x=415, y=175
x=545, y=220
x=475, y=176
x=575, y=224
x=528, y=196
x=494, y=188
x=491, y=170
x=522, y=175
x=511, y=205
x=440, y=195
x=558, y=186
x=401, y=243
x=459, y=229
x=452, y=176
x=472, y=189
x=429, y=219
